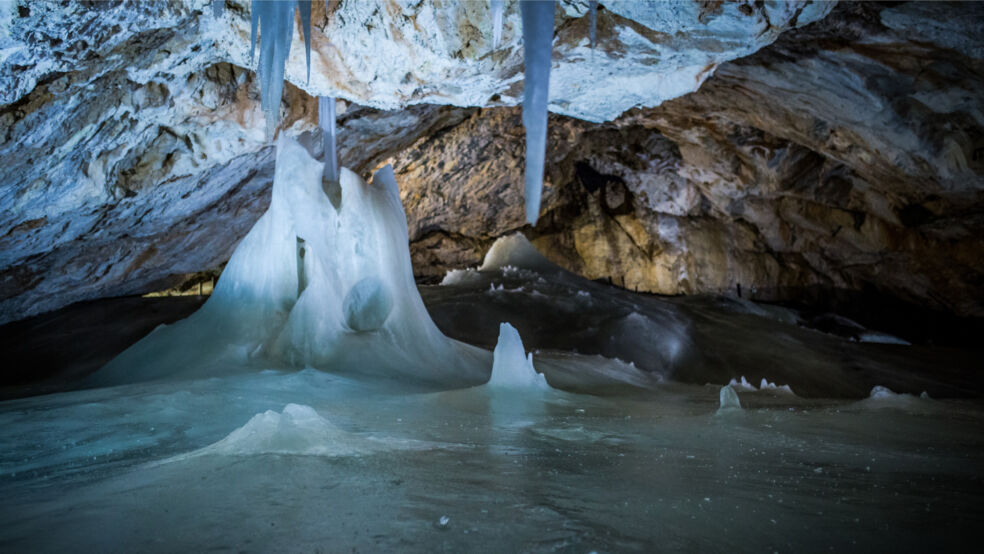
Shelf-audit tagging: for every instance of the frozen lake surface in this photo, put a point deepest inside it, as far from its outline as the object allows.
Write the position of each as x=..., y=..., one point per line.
x=153, y=467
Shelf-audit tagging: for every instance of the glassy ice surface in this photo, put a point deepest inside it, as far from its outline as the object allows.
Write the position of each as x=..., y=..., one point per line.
x=309, y=460
x=538, y=21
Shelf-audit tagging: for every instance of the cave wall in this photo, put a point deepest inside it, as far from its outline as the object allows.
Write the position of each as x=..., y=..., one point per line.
x=843, y=161
x=827, y=150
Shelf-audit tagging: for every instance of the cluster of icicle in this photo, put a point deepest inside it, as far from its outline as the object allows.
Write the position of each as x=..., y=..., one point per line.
x=276, y=21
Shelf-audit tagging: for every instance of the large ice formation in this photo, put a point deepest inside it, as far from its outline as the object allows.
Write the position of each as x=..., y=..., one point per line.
x=538, y=22
x=512, y=367
x=312, y=285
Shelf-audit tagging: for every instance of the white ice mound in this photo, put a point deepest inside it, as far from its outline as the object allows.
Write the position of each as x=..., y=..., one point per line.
x=743, y=384
x=297, y=430
x=729, y=399
x=881, y=338
x=879, y=392
x=312, y=285
x=764, y=385
x=511, y=366
x=884, y=397
x=516, y=251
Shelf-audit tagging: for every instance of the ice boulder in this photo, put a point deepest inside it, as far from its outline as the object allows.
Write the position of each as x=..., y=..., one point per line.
x=367, y=305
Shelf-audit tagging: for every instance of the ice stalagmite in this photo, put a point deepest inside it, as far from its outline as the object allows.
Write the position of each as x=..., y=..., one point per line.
x=538, y=20
x=275, y=20
x=728, y=399
x=497, y=7
x=312, y=285
x=511, y=366
x=326, y=120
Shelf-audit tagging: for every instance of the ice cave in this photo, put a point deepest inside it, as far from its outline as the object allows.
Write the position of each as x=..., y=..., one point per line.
x=491, y=276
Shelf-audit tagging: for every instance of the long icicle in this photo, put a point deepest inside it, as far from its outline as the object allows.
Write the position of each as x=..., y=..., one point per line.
x=593, y=18
x=538, y=21
x=275, y=20
x=326, y=121
x=304, y=6
x=497, y=8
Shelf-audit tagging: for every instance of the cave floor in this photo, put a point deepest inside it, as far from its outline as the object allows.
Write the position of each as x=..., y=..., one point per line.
x=308, y=460
x=122, y=469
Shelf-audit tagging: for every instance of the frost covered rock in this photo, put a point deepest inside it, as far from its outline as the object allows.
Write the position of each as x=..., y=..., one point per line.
x=512, y=368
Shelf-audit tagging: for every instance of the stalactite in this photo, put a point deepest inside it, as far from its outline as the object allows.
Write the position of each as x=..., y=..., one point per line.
x=497, y=8
x=276, y=21
x=326, y=121
x=538, y=20
x=593, y=17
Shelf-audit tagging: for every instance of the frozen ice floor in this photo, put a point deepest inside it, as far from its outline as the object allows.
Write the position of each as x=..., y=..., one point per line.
x=318, y=461
x=123, y=469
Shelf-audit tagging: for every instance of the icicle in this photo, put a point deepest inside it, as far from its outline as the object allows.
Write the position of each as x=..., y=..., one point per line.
x=497, y=6
x=326, y=120
x=593, y=18
x=218, y=6
x=538, y=20
x=305, y=9
x=276, y=21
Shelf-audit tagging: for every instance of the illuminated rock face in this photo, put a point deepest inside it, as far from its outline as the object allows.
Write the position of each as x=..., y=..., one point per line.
x=843, y=155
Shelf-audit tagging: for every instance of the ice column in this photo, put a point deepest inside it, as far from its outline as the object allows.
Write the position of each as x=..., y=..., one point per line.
x=276, y=21
x=538, y=19
x=326, y=120
x=497, y=6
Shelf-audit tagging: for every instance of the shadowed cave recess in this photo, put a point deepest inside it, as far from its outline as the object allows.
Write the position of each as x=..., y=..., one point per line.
x=491, y=275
